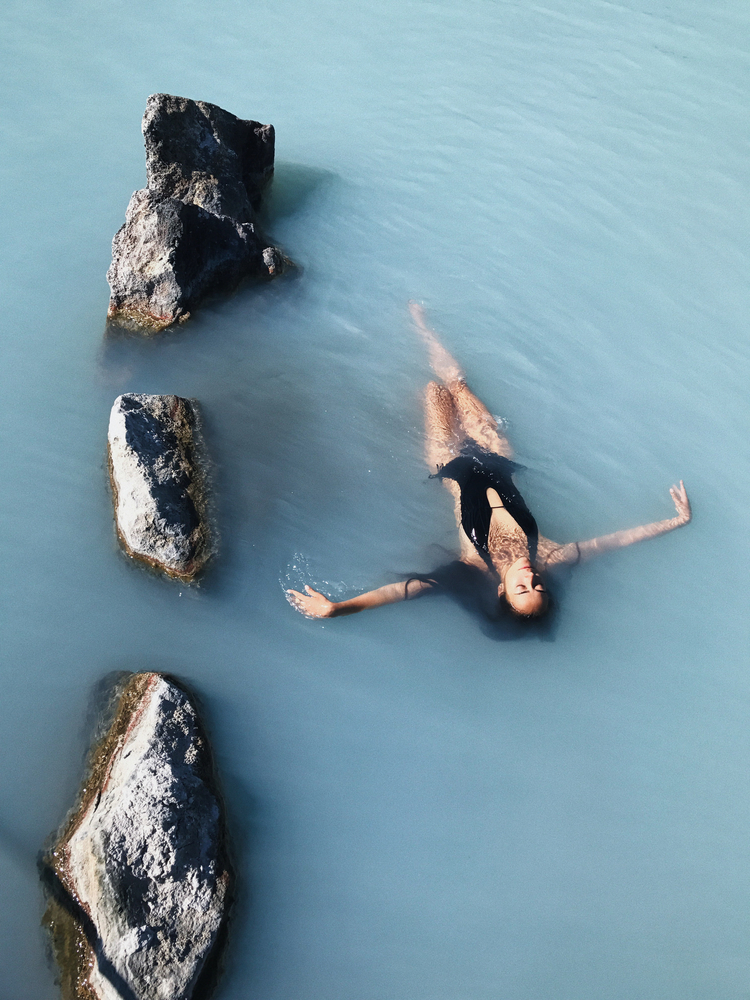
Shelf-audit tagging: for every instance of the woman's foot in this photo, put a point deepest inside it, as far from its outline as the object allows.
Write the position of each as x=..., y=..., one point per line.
x=443, y=364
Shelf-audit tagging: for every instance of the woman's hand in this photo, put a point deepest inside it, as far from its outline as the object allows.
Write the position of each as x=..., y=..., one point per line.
x=312, y=604
x=681, y=502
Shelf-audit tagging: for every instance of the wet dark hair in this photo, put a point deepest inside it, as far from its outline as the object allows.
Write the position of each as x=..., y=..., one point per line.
x=512, y=624
x=470, y=588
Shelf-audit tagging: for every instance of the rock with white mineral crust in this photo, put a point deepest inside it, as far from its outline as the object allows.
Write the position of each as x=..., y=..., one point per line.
x=138, y=876
x=158, y=482
x=193, y=229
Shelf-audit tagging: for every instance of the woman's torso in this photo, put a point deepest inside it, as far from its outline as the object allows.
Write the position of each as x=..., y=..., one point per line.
x=503, y=530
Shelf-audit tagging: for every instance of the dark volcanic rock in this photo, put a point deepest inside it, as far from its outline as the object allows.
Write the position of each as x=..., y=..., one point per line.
x=193, y=229
x=138, y=878
x=158, y=483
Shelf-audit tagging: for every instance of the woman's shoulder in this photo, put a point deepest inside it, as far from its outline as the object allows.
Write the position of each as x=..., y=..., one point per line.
x=458, y=573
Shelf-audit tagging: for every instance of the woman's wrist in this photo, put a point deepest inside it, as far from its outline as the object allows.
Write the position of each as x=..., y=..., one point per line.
x=339, y=608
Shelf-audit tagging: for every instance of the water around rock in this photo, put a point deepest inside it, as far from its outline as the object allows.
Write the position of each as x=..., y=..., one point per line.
x=158, y=482
x=193, y=229
x=138, y=878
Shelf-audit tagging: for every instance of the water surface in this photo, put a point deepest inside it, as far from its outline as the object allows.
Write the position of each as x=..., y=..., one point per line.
x=418, y=810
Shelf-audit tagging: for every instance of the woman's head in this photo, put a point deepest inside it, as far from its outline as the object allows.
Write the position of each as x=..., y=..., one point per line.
x=523, y=589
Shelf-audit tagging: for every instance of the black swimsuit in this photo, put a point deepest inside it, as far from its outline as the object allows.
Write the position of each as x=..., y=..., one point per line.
x=475, y=470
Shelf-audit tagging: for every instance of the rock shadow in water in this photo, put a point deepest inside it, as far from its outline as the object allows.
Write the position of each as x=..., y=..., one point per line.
x=293, y=187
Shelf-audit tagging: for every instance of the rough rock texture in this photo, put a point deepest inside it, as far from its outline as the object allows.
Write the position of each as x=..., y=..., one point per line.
x=158, y=483
x=193, y=229
x=138, y=878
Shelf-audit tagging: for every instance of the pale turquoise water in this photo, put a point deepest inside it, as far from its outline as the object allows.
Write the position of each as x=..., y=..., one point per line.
x=419, y=811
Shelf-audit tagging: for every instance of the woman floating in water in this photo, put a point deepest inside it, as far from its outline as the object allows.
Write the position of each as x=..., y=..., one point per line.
x=501, y=548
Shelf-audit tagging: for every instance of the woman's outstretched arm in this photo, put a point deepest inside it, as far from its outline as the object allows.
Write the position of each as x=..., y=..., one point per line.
x=619, y=539
x=315, y=605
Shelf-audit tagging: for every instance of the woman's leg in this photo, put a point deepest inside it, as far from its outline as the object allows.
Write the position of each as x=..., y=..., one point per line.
x=476, y=420
x=443, y=364
x=443, y=431
x=443, y=440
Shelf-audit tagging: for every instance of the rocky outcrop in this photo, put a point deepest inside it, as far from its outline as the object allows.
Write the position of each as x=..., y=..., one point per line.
x=138, y=880
x=193, y=229
x=158, y=483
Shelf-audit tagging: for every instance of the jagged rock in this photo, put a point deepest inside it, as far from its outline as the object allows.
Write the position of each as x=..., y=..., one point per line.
x=193, y=229
x=158, y=482
x=138, y=880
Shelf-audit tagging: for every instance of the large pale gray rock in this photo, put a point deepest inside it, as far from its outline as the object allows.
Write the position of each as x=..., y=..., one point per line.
x=193, y=229
x=138, y=877
x=158, y=482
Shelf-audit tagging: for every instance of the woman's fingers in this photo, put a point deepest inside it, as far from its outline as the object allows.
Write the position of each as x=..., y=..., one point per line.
x=312, y=604
x=680, y=500
x=299, y=600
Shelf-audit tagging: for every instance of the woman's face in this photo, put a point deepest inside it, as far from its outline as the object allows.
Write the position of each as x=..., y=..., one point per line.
x=523, y=588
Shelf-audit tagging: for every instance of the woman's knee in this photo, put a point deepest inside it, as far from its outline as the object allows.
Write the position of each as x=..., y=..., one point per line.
x=441, y=395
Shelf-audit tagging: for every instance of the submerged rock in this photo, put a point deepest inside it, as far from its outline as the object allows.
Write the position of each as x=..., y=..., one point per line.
x=193, y=229
x=158, y=483
x=138, y=877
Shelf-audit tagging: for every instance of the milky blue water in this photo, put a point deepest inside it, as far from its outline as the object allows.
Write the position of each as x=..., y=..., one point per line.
x=418, y=809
